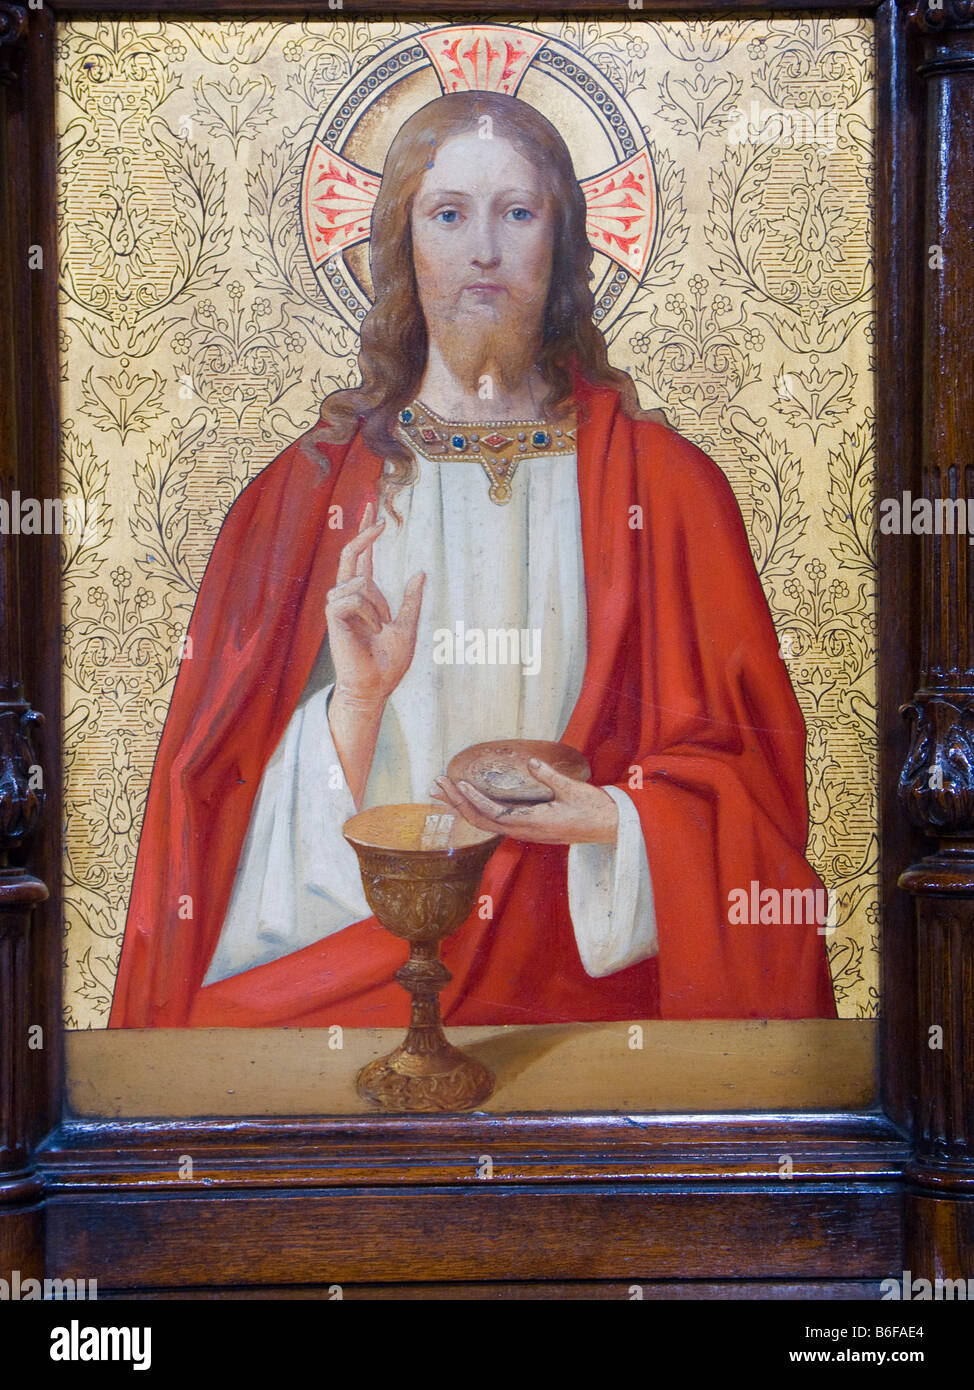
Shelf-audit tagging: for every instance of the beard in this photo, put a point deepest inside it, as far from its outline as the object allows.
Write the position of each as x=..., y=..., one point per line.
x=476, y=344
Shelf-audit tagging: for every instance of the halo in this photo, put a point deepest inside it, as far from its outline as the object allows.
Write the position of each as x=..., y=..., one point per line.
x=340, y=181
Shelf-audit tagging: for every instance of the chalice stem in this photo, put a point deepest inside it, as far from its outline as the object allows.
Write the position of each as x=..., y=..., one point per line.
x=424, y=975
x=425, y=1072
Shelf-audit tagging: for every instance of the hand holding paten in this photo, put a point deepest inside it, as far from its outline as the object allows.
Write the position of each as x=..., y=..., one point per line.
x=532, y=791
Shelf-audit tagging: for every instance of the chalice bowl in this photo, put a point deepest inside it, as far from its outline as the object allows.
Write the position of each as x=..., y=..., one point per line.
x=421, y=868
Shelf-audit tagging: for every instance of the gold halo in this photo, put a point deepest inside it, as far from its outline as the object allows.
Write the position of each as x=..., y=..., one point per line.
x=355, y=131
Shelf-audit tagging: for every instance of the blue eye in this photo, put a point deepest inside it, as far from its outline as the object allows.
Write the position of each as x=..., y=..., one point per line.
x=521, y=214
x=448, y=216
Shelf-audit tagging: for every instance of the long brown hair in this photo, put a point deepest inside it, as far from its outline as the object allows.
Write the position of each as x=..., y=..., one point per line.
x=394, y=345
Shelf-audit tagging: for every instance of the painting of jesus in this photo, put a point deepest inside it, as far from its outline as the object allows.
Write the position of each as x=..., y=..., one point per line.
x=485, y=538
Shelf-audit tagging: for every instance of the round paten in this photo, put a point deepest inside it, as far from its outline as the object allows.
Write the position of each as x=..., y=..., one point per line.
x=500, y=769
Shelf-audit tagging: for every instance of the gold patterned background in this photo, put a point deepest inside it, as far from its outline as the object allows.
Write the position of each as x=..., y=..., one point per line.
x=196, y=345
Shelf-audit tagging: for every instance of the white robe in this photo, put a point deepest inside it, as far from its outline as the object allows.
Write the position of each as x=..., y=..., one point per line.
x=487, y=567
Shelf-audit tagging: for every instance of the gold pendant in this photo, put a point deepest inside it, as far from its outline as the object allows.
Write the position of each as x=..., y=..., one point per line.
x=499, y=451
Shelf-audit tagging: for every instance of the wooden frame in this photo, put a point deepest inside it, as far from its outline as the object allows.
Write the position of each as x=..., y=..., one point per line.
x=371, y=1199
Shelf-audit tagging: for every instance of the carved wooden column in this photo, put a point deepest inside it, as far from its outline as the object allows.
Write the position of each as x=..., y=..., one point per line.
x=937, y=785
x=21, y=1236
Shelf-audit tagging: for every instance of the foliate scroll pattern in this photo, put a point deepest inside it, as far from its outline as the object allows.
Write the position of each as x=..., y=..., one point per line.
x=196, y=343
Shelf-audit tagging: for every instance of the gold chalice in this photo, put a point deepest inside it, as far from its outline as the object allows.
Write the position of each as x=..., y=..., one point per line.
x=421, y=868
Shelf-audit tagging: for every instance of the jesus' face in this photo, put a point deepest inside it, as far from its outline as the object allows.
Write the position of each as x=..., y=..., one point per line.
x=482, y=251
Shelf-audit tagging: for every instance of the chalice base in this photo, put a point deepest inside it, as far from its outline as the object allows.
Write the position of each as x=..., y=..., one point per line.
x=441, y=1079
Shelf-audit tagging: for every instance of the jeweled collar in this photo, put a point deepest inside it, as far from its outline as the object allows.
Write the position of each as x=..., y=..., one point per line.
x=497, y=445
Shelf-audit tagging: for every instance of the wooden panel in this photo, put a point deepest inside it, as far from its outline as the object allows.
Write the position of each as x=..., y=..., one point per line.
x=490, y=1232
x=291, y=1203
x=420, y=1151
x=214, y=9
x=551, y=1291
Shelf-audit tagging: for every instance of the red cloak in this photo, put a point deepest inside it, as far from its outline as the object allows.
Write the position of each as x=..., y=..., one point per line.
x=683, y=679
